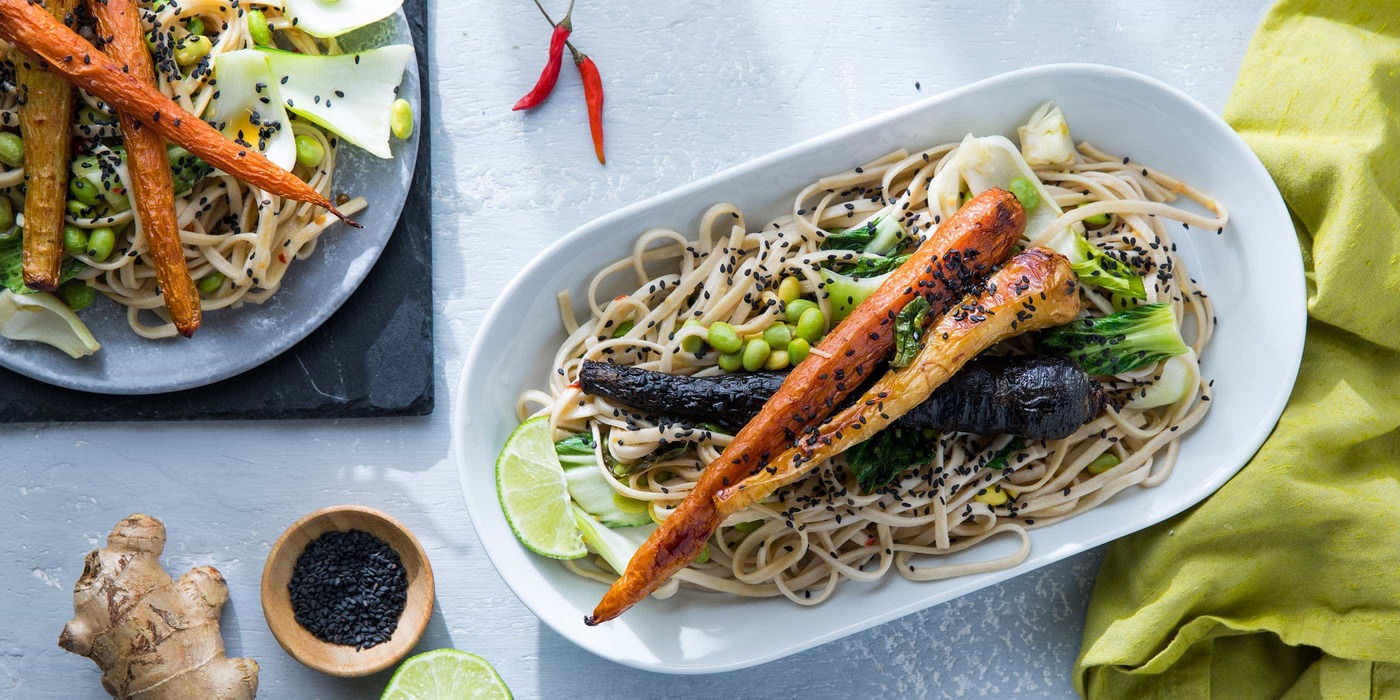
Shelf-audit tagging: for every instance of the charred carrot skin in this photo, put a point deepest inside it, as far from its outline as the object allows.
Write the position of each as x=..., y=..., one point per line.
x=45, y=123
x=32, y=30
x=1034, y=290
x=958, y=255
x=153, y=189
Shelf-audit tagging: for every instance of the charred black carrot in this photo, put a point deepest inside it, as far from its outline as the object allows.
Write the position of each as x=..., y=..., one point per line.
x=957, y=255
x=1032, y=396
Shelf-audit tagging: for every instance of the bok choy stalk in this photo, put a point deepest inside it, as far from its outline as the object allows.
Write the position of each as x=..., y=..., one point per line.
x=993, y=161
x=881, y=235
x=589, y=488
x=43, y=318
x=1119, y=342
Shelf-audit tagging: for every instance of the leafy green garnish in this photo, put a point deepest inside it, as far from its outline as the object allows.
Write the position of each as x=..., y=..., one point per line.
x=1103, y=270
x=881, y=236
x=12, y=266
x=909, y=331
x=576, y=451
x=1119, y=342
x=874, y=267
x=877, y=461
x=1003, y=456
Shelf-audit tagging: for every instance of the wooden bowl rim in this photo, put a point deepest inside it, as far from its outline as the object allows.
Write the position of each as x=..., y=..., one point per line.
x=323, y=656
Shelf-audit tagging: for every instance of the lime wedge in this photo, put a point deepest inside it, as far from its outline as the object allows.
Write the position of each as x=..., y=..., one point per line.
x=446, y=674
x=534, y=493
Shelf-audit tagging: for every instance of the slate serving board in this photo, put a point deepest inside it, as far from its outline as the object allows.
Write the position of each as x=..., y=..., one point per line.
x=374, y=357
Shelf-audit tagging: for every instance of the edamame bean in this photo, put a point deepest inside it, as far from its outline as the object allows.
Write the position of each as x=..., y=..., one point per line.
x=756, y=354
x=193, y=48
x=777, y=360
x=101, y=241
x=79, y=209
x=11, y=149
x=694, y=344
x=211, y=282
x=401, y=119
x=258, y=30
x=777, y=336
x=1097, y=220
x=812, y=325
x=798, y=350
x=724, y=338
x=1025, y=191
x=75, y=240
x=796, y=308
x=7, y=213
x=83, y=191
x=195, y=26
x=1103, y=463
x=731, y=361
x=789, y=289
x=77, y=295
x=310, y=152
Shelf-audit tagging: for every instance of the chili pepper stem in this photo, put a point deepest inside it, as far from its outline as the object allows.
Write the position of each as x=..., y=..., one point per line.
x=567, y=18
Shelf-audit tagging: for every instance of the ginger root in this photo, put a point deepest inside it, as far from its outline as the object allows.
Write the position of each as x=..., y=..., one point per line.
x=153, y=637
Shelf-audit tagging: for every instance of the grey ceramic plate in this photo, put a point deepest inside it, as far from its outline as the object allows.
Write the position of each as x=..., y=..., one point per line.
x=233, y=341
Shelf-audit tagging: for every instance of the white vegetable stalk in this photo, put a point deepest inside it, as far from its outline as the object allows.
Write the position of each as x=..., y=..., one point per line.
x=43, y=318
x=1045, y=138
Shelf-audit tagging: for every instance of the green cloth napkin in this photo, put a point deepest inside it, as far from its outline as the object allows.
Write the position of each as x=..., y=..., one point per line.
x=1286, y=582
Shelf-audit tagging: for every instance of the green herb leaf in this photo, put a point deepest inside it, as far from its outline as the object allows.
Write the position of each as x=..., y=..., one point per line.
x=12, y=266
x=874, y=267
x=1001, y=458
x=909, y=331
x=1119, y=342
x=877, y=461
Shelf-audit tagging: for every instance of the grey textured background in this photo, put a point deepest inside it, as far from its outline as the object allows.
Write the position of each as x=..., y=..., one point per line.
x=694, y=86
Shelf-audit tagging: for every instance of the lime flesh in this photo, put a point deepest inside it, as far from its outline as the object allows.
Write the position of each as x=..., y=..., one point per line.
x=534, y=493
x=446, y=674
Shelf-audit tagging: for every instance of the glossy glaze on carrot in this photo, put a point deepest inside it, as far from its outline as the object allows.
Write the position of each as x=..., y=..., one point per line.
x=955, y=257
x=1034, y=290
x=30, y=28
x=153, y=189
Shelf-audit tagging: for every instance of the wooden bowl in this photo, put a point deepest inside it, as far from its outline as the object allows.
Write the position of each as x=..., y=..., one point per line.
x=338, y=659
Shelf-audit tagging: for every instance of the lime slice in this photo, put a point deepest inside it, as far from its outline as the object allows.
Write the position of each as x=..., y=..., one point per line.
x=446, y=674
x=534, y=493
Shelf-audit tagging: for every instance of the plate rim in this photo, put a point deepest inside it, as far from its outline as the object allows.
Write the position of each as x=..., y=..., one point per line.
x=1292, y=359
x=357, y=274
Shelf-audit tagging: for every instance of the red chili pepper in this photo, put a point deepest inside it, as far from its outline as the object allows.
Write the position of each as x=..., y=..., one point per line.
x=550, y=75
x=593, y=95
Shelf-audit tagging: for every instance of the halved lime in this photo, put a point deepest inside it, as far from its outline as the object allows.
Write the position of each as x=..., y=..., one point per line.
x=446, y=674
x=534, y=493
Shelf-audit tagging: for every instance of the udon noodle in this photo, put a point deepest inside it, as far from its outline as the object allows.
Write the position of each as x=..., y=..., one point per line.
x=808, y=537
x=227, y=226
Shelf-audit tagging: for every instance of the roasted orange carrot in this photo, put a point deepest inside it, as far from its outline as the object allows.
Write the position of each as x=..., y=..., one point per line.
x=32, y=30
x=1034, y=290
x=962, y=251
x=152, y=188
x=45, y=122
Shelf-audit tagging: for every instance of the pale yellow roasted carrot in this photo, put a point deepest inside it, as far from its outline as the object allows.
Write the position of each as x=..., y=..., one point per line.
x=152, y=188
x=32, y=30
x=46, y=124
x=961, y=252
x=1034, y=290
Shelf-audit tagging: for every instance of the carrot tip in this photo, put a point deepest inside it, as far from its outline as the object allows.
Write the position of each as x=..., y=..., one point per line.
x=348, y=221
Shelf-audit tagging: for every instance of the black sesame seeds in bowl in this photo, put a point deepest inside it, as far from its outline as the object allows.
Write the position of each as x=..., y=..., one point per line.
x=349, y=588
x=347, y=591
